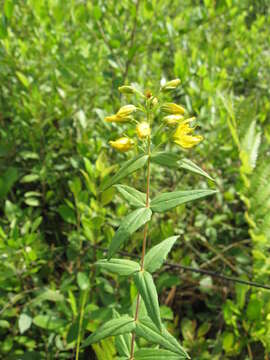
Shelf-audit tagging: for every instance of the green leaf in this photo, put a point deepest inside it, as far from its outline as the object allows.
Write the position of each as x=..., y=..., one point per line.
x=48, y=322
x=81, y=118
x=191, y=166
x=171, y=160
x=123, y=342
x=122, y=325
x=4, y=324
x=107, y=196
x=25, y=322
x=73, y=331
x=30, y=178
x=157, y=354
x=29, y=155
x=146, y=287
x=254, y=309
x=155, y=257
x=8, y=8
x=49, y=295
x=7, y=180
x=170, y=200
x=165, y=158
x=97, y=12
x=203, y=329
x=127, y=168
x=67, y=214
x=3, y=27
x=129, y=225
x=119, y=266
x=147, y=330
x=101, y=162
x=249, y=148
x=241, y=291
x=23, y=79
x=83, y=281
x=228, y=341
x=133, y=196
x=32, y=202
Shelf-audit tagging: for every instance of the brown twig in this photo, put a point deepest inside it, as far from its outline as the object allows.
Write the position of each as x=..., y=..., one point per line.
x=223, y=258
x=214, y=259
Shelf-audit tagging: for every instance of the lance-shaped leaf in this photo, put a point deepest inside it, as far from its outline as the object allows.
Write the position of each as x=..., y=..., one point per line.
x=127, y=168
x=123, y=342
x=191, y=166
x=146, y=287
x=147, y=330
x=165, y=158
x=129, y=225
x=119, y=266
x=157, y=354
x=133, y=196
x=155, y=256
x=170, y=200
x=122, y=325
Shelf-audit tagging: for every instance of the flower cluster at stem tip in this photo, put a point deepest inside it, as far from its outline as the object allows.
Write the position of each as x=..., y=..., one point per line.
x=175, y=116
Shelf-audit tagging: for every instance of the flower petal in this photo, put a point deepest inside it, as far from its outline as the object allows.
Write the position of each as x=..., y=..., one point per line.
x=188, y=141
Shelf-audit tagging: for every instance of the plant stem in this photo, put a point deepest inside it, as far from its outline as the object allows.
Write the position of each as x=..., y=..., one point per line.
x=84, y=297
x=143, y=248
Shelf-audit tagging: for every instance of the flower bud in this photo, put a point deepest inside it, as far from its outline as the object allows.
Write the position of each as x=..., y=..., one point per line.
x=148, y=94
x=126, y=110
x=127, y=89
x=170, y=85
x=154, y=101
x=122, y=114
x=115, y=118
x=171, y=120
x=122, y=144
x=143, y=130
x=172, y=108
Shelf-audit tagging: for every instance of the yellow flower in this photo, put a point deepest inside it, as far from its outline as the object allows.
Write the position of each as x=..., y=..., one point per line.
x=122, y=144
x=182, y=135
x=122, y=115
x=172, y=108
x=170, y=85
x=143, y=130
x=173, y=119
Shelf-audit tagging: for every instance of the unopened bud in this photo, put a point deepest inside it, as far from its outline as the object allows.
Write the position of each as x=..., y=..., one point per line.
x=173, y=119
x=148, y=94
x=172, y=108
x=122, y=144
x=126, y=110
x=154, y=101
x=127, y=89
x=170, y=85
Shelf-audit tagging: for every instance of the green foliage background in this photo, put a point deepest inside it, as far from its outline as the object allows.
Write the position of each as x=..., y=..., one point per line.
x=61, y=62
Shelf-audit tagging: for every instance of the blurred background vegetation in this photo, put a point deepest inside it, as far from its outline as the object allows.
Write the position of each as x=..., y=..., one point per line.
x=61, y=62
